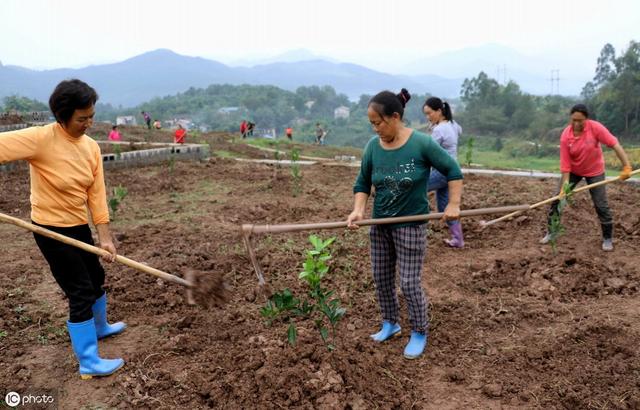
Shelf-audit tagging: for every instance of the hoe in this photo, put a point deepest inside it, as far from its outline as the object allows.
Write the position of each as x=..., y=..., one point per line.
x=190, y=280
x=484, y=224
x=249, y=229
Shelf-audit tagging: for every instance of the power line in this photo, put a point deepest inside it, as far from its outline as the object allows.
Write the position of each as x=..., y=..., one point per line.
x=555, y=78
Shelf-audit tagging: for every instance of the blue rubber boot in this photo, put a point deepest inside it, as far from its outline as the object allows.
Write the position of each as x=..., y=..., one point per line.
x=387, y=332
x=85, y=346
x=416, y=345
x=103, y=328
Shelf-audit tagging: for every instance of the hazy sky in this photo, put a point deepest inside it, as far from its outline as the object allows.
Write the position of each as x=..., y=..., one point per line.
x=382, y=34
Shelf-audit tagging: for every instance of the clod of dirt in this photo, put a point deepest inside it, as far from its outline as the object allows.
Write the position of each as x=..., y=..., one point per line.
x=209, y=288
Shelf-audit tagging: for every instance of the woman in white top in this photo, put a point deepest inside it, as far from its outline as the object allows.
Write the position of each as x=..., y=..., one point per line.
x=445, y=132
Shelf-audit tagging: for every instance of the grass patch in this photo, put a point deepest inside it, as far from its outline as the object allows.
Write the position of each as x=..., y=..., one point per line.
x=500, y=160
x=305, y=149
x=226, y=154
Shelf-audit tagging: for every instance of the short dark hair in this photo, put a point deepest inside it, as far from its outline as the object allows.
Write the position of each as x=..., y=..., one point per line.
x=71, y=95
x=580, y=108
x=385, y=103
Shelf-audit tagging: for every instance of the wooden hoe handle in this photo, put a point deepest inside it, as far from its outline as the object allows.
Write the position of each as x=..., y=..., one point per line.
x=248, y=229
x=555, y=198
x=93, y=249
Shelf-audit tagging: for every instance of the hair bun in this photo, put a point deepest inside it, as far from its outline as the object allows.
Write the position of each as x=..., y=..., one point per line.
x=404, y=97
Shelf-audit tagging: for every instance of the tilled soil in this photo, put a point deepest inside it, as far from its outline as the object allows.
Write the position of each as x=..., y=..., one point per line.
x=513, y=325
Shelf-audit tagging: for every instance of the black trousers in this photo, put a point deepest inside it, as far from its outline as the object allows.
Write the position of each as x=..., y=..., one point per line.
x=79, y=273
x=599, y=198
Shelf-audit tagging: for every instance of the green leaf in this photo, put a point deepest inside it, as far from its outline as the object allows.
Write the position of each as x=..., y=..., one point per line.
x=324, y=333
x=315, y=241
x=328, y=242
x=292, y=334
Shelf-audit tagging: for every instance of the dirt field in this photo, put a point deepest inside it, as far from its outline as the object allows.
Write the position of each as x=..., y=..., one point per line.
x=512, y=324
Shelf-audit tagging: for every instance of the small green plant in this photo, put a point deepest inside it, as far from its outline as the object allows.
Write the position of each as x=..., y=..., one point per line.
x=119, y=193
x=117, y=149
x=320, y=306
x=3, y=333
x=556, y=229
x=277, y=155
x=171, y=164
x=280, y=303
x=469, y=154
x=295, y=172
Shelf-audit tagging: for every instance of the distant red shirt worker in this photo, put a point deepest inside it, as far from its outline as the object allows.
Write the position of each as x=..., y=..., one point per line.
x=114, y=135
x=179, y=135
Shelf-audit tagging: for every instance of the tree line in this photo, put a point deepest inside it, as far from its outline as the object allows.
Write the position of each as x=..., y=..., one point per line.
x=485, y=107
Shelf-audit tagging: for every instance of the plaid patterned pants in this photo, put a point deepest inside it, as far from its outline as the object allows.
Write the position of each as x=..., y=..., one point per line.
x=406, y=248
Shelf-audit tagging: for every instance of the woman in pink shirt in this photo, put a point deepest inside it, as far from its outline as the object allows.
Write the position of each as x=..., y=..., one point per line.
x=114, y=135
x=581, y=157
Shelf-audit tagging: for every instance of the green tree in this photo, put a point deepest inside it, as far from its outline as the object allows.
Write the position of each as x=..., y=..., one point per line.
x=614, y=93
x=22, y=104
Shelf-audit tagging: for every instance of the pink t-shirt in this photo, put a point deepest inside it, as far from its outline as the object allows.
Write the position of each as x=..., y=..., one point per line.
x=583, y=156
x=114, y=136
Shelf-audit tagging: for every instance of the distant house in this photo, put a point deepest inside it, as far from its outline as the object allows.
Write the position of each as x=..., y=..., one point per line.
x=36, y=117
x=185, y=122
x=228, y=110
x=126, y=120
x=309, y=104
x=341, y=112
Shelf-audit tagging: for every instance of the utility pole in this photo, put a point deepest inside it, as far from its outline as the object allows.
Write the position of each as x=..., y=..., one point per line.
x=502, y=70
x=555, y=77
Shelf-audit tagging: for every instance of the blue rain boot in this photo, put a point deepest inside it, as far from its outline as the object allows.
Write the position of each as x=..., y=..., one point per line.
x=387, y=332
x=103, y=328
x=85, y=346
x=416, y=345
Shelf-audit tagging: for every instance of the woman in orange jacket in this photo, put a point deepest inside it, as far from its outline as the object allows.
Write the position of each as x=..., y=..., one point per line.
x=67, y=177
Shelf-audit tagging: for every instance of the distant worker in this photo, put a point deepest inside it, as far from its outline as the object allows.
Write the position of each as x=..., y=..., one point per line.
x=324, y=136
x=114, y=135
x=319, y=134
x=179, y=135
x=243, y=128
x=289, y=133
x=445, y=132
x=157, y=124
x=147, y=119
x=250, y=127
x=68, y=189
x=581, y=157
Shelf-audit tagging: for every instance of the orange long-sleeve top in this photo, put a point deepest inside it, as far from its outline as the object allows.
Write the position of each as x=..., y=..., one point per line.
x=66, y=174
